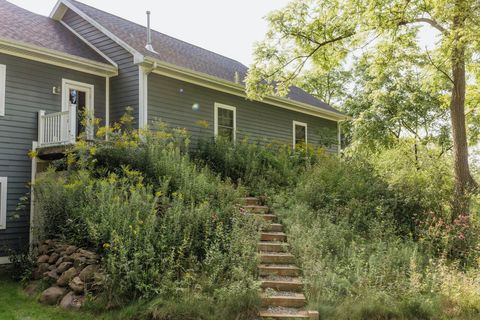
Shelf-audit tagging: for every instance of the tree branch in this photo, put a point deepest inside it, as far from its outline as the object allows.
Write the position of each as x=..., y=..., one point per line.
x=305, y=57
x=437, y=67
x=433, y=23
x=429, y=21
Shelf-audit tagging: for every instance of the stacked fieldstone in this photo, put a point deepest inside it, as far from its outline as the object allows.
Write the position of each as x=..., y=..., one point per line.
x=70, y=271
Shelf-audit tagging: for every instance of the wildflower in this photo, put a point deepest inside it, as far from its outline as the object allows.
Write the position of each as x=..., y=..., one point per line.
x=106, y=245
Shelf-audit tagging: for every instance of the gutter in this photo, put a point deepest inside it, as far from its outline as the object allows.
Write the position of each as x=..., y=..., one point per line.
x=37, y=53
x=198, y=78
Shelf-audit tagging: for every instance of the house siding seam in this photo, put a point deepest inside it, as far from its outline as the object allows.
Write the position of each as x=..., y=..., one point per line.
x=124, y=87
x=171, y=100
x=28, y=90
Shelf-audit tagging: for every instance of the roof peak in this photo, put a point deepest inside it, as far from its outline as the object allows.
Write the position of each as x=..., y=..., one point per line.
x=74, y=2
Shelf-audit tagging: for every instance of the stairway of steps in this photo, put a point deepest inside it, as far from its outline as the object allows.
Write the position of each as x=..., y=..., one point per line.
x=280, y=279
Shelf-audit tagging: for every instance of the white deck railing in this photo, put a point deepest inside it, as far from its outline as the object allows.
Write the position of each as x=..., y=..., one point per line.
x=56, y=129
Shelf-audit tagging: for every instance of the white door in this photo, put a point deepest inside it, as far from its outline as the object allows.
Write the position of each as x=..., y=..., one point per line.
x=78, y=97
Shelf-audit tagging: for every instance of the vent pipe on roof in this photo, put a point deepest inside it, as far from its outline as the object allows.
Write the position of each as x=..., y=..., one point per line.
x=236, y=77
x=149, y=46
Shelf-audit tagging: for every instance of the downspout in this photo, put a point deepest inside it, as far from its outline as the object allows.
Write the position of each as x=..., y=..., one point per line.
x=144, y=72
x=32, y=196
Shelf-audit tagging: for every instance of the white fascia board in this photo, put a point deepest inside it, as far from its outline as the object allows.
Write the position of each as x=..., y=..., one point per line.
x=138, y=57
x=218, y=84
x=103, y=55
x=58, y=58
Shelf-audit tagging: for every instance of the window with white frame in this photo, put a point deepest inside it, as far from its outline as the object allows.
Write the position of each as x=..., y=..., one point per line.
x=3, y=84
x=3, y=202
x=225, y=121
x=299, y=133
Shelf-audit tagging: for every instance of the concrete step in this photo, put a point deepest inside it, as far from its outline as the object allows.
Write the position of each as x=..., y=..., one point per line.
x=279, y=270
x=283, y=299
x=267, y=217
x=273, y=227
x=293, y=284
x=287, y=314
x=251, y=201
x=273, y=246
x=256, y=209
x=276, y=258
x=273, y=236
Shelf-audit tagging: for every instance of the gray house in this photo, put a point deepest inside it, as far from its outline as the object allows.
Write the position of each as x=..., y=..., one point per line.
x=84, y=59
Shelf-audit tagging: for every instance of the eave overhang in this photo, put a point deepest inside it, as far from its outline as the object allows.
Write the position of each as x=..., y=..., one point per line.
x=58, y=58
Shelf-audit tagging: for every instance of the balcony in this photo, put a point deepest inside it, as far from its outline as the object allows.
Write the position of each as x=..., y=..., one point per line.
x=57, y=129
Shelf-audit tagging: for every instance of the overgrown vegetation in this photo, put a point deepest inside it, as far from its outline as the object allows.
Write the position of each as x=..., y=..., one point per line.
x=375, y=235
x=260, y=166
x=170, y=232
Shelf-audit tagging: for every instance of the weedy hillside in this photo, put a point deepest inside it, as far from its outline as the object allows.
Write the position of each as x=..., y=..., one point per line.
x=375, y=236
x=170, y=232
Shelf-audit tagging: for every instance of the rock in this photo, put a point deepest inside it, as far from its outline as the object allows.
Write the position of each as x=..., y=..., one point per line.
x=70, y=249
x=64, y=266
x=67, y=276
x=72, y=301
x=52, y=267
x=52, y=295
x=51, y=275
x=77, y=285
x=43, y=267
x=43, y=259
x=53, y=258
x=32, y=288
x=80, y=262
x=59, y=261
x=43, y=249
x=68, y=259
x=88, y=272
x=61, y=248
x=88, y=254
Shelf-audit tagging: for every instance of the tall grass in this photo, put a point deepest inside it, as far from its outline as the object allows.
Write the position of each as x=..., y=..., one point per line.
x=168, y=229
x=374, y=235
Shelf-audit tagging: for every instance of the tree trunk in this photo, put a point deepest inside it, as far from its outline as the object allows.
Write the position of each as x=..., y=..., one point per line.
x=464, y=182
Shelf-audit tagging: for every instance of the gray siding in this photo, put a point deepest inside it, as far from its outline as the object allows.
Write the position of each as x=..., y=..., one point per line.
x=171, y=100
x=124, y=87
x=28, y=90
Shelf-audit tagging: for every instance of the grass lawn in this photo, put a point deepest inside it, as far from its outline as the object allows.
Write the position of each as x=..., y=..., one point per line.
x=16, y=305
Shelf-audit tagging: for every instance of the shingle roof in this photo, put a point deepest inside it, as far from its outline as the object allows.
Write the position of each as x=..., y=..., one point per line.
x=27, y=27
x=182, y=54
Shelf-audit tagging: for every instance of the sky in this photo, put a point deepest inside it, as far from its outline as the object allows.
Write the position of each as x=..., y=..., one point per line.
x=229, y=28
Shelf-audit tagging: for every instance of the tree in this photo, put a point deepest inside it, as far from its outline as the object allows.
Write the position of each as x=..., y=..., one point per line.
x=326, y=33
x=393, y=97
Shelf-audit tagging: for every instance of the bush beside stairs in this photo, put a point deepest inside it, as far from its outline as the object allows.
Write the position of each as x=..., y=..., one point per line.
x=282, y=287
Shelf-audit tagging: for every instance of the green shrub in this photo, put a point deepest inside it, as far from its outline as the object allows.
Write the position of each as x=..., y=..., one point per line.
x=260, y=166
x=165, y=226
x=362, y=260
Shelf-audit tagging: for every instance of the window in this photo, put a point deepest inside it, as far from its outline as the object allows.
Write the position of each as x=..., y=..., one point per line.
x=225, y=121
x=3, y=202
x=3, y=83
x=299, y=133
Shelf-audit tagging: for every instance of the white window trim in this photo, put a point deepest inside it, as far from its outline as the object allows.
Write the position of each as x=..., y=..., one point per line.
x=302, y=124
x=215, y=120
x=3, y=202
x=3, y=90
